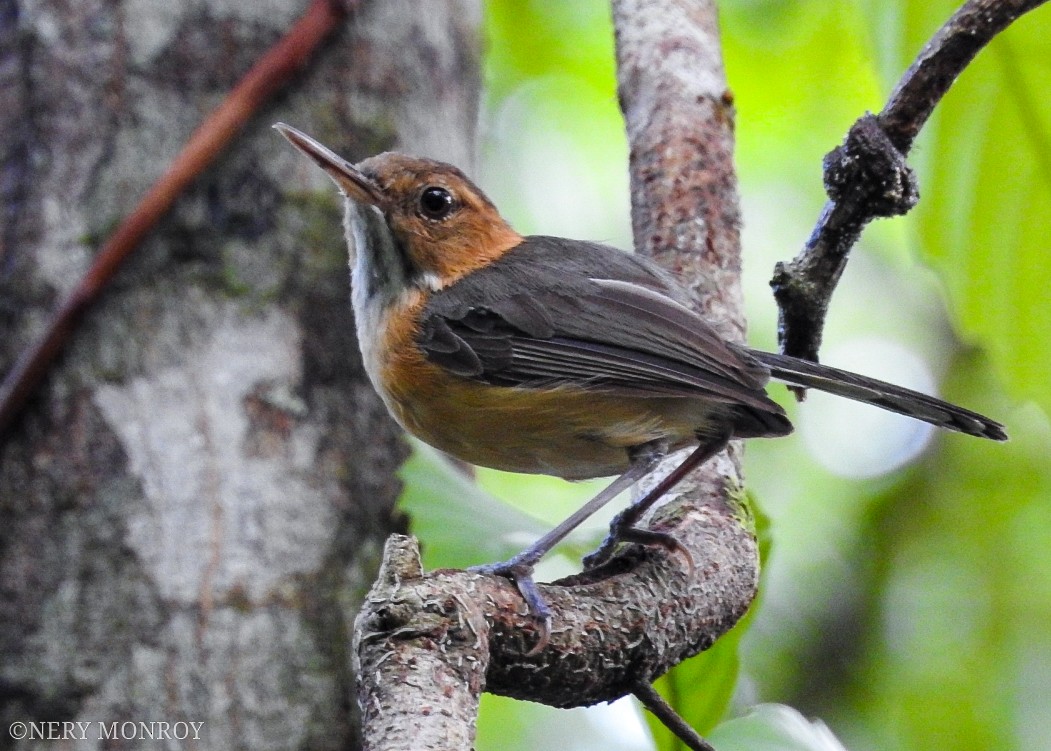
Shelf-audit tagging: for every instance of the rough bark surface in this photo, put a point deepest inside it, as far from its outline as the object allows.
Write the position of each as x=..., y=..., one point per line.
x=194, y=503
x=420, y=689
x=679, y=115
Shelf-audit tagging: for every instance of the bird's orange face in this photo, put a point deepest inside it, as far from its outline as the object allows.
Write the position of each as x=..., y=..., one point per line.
x=444, y=222
x=441, y=221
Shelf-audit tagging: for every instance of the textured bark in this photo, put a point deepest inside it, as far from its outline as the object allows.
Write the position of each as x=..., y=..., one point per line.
x=679, y=116
x=422, y=656
x=686, y=213
x=678, y=111
x=631, y=620
x=194, y=503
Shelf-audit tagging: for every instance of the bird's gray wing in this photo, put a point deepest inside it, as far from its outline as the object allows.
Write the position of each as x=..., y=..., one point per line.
x=552, y=312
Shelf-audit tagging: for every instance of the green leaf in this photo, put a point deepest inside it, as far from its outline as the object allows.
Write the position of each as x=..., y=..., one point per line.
x=774, y=727
x=506, y=724
x=458, y=523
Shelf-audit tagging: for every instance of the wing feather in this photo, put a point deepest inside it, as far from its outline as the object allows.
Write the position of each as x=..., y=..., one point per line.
x=552, y=312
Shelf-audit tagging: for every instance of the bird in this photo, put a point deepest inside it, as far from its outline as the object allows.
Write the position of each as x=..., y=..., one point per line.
x=547, y=355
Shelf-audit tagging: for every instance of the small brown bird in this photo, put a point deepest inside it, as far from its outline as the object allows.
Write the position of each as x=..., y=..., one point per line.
x=553, y=356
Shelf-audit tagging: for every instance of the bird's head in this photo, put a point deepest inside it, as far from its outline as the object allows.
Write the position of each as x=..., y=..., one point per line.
x=439, y=223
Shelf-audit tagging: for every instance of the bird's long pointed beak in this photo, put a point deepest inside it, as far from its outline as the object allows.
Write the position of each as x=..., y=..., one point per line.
x=350, y=180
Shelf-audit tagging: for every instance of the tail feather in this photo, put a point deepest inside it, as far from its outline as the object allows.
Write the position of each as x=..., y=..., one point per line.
x=797, y=372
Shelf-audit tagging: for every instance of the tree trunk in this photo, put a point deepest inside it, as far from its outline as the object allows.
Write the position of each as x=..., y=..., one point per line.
x=195, y=500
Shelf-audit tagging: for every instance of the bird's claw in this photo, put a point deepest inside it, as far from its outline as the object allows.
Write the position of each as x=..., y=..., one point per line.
x=521, y=573
x=621, y=532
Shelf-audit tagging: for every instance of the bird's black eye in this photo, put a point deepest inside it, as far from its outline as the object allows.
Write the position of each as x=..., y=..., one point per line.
x=436, y=203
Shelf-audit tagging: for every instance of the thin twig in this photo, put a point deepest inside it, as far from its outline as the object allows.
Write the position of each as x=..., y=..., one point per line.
x=270, y=73
x=867, y=176
x=671, y=719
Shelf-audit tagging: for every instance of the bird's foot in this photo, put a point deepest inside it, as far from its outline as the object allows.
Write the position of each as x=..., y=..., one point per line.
x=623, y=530
x=519, y=570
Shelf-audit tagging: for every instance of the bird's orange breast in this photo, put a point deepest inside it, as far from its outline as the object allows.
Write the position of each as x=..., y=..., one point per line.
x=567, y=431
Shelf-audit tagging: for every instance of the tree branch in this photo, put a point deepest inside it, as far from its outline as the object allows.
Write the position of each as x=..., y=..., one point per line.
x=867, y=176
x=421, y=653
x=679, y=117
x=633, y=618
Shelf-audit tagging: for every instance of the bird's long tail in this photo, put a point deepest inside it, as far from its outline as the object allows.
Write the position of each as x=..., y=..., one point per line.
x=796, y=372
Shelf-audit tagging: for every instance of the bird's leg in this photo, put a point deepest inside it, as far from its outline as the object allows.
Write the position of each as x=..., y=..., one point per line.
x=520, y=567
x=623, y=529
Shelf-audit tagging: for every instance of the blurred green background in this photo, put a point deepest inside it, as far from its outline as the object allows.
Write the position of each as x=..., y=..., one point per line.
x=907, y=593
